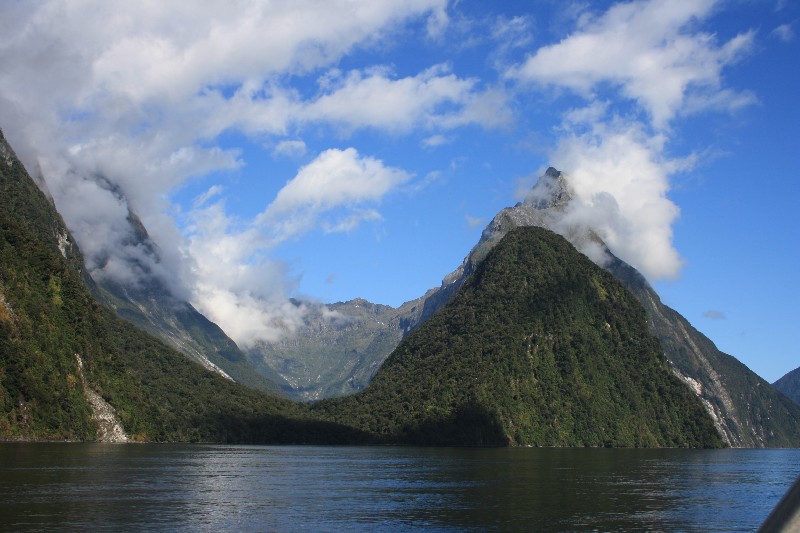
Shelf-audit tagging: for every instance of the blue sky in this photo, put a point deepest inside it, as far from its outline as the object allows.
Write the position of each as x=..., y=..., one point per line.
x=332, y=150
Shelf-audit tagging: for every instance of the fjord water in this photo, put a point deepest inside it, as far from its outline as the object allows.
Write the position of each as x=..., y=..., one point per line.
x=261, y=488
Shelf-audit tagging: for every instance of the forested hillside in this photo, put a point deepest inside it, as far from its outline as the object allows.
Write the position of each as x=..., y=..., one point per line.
x=539, y=347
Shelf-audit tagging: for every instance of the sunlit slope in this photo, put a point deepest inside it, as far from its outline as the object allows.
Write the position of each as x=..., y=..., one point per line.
x=539, y=347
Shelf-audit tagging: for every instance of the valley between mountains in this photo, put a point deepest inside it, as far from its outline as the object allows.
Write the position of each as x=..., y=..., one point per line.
x=527, y=343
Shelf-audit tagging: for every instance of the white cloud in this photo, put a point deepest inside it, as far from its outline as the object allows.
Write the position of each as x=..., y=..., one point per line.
x=784, y=32
x=335, y=179
x=651, y=53
x=120, y=103
x=350, y=222
x=291, y=148
x=236, y=284
x=620, y=177
x=435, y=140
x=433, y=98
x=646, y=49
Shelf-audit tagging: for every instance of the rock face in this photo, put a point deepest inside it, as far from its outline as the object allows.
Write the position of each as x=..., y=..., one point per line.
x=109, y=426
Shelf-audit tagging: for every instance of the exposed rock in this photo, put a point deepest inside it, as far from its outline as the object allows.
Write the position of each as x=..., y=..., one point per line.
x=109, y=427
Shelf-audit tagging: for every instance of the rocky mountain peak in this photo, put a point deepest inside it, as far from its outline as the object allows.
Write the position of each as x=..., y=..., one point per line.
x=552, y=191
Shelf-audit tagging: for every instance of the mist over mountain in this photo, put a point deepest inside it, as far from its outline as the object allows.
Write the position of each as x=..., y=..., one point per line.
x=72, y=370
x=149, y=303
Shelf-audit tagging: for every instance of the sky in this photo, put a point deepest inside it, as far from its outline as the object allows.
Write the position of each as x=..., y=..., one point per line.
x=326, y=150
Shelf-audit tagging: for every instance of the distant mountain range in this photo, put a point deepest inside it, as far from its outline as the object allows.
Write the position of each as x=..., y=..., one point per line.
x=526, y=343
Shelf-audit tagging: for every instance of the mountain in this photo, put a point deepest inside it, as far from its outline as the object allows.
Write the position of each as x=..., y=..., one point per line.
x=748, y=411
x=538, y=347
x=789, y=385
x=70, y=369
x=338, y=348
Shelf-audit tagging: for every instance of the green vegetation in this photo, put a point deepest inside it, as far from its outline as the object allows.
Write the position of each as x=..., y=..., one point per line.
x=539, y=347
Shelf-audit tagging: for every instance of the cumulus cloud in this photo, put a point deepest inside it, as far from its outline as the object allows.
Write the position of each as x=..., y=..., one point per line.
x=234, y=275
x=620, y=178
x=646, y=49
x=335, y=179
x=714, y=314
x=433, y=98
x=291, y=148
x=236, y=285
x=649, y=53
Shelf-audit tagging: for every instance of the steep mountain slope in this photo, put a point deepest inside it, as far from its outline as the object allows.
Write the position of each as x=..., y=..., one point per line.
x=538, y=347
x=151, y=306
x=71, y=369
x=789, y=384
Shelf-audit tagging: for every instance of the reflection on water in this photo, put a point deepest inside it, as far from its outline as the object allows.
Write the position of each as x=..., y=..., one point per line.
x=124, y=487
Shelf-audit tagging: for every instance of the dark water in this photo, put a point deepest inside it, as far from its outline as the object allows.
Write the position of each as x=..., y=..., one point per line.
x=95, y=487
